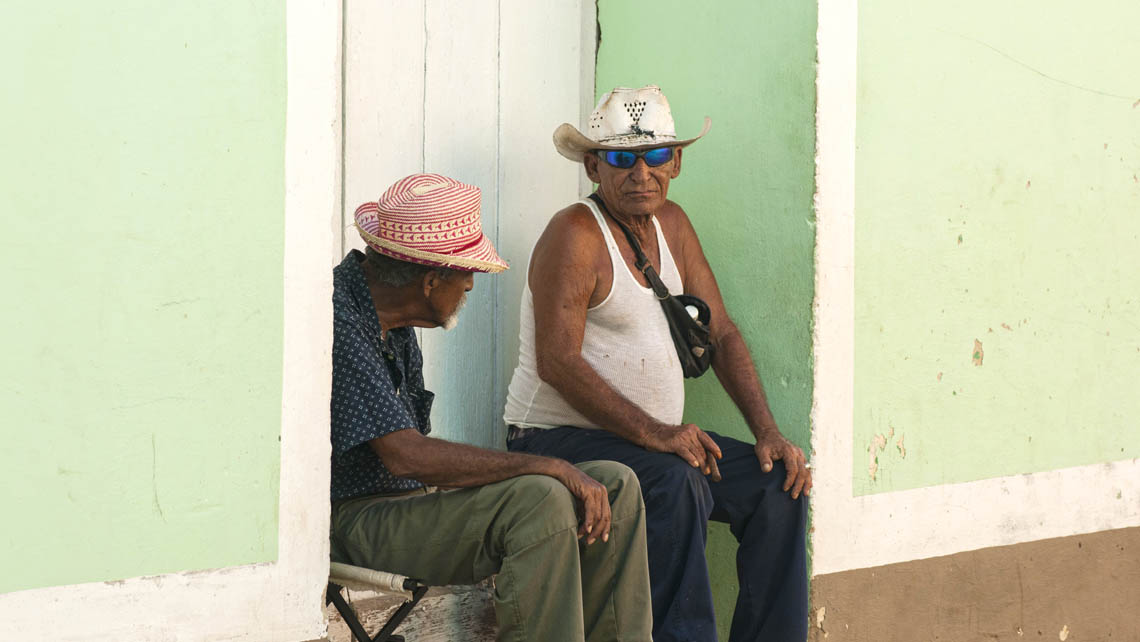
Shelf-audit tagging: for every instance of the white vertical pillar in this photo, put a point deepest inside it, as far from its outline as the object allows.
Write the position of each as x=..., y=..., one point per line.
x=461, y=121
x=546, y=76
x=383, y=100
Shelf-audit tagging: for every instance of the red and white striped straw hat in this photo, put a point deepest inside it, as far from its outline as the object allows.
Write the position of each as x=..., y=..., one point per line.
x=432, y=220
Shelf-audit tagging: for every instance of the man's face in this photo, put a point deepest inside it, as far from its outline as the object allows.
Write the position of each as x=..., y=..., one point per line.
x=638, y=191
x=448, y=295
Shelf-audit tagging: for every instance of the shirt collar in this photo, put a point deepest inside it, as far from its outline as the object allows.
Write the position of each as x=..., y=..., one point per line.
x=362, y=296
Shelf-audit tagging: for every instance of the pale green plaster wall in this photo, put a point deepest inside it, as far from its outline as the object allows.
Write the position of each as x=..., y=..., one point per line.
x=747, y=187
x=997, y=193
x=141, y=247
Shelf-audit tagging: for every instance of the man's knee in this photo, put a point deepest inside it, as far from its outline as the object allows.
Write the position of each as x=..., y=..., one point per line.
x=620, y=481
x=540, y=504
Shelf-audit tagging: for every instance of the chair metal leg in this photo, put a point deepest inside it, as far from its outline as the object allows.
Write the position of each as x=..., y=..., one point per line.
x=333, y=596
x=385, y=634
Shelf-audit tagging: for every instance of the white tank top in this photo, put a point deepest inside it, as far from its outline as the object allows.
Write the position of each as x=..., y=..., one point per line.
x=626, y=341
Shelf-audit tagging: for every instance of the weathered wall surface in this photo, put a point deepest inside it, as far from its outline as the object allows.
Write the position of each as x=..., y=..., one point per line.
x=167, y=188
x=747, y=187
x=472, y=90
x=977, y=345
x=997, y=287
x=143, y=242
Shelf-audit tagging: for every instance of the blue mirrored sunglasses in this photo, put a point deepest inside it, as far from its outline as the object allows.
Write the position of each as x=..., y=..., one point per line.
x=626, y=159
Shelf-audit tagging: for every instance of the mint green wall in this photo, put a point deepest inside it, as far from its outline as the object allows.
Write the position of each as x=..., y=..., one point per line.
x=998, y=150
x=747, y=186
x=141, y=243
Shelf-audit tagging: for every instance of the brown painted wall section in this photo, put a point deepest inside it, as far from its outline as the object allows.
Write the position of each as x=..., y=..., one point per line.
x=1084, y=588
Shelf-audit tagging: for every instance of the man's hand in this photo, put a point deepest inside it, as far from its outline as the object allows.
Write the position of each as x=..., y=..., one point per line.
x=593, y=502
x=771, y=446
x=688, y=442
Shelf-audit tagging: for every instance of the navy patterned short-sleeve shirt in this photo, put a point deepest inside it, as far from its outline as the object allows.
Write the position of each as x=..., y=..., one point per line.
x=378, y=387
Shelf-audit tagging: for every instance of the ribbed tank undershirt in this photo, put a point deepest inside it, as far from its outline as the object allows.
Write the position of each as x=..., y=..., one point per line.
x=626, y=342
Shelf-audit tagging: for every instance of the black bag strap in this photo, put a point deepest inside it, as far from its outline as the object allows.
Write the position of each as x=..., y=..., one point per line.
x=641, y=261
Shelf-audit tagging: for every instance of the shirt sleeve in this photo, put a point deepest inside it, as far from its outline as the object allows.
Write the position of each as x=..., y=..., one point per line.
x=364, y=401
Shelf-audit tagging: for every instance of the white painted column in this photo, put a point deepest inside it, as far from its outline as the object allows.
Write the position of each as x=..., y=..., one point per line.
x=546, y=79
x=472, y=90
x=461, y=121
x=383, y=100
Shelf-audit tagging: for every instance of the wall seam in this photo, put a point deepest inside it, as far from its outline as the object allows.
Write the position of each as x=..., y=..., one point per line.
x=497, y=341
x=423, y=103
x=342, y=235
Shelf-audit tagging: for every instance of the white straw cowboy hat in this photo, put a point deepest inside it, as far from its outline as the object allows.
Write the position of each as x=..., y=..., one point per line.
x=432, y=220
x=624, y=119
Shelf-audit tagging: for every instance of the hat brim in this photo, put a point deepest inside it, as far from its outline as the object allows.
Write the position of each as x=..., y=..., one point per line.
x=573, y=144
x=480, y=257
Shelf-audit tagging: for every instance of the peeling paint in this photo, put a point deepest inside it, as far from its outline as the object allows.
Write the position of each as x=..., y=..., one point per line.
x=979, y=354
x=900, y=446
x=1064, y=634
x=1006, y=326
x=939, y=377
x=878, y=443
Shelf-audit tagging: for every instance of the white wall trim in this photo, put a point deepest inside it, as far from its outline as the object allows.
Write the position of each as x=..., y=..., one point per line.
x=279, y=601
x=859, y=532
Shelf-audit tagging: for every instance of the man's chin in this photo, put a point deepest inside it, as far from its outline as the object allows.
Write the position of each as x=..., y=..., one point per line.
x=450, y=322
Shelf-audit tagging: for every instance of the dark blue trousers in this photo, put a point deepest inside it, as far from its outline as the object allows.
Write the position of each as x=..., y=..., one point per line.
x=771, y=563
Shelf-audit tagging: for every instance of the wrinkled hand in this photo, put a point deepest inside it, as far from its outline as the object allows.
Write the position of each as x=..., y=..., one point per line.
x=772, y=446
x=688, y=442
x=593, y=503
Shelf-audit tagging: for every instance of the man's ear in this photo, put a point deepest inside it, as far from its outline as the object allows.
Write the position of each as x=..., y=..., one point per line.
x=431, y=281
x=676, y=162
x=590, y=161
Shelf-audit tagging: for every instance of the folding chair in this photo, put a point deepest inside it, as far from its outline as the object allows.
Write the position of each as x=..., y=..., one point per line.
x=365, y=579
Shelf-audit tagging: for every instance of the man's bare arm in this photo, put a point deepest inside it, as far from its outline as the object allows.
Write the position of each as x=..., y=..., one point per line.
x=563, y=277
x=437, y=462
x=732, y=360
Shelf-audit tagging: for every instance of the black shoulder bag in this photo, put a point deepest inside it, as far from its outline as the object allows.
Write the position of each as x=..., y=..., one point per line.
x=690, y=331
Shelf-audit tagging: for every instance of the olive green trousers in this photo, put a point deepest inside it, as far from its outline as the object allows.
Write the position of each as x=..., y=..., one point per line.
x=549, y=586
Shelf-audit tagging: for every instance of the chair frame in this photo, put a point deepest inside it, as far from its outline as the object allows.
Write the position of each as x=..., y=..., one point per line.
x=387, y=632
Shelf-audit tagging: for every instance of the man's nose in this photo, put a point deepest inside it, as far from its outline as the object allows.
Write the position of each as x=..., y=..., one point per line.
x=640, y=170
x=470, y=283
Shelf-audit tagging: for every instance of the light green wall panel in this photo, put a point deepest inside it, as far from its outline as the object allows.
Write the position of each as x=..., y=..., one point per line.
x=747, y=187
x=997, y=200
x=142, y=192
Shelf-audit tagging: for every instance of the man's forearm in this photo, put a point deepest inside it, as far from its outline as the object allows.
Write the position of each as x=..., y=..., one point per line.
x=588, y=393
x=733, y=366
x=438, y=462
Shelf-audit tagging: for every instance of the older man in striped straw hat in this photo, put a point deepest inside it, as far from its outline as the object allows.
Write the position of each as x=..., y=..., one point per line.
x=567, y=542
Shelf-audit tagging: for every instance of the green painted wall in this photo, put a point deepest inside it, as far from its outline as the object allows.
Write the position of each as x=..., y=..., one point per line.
x=997, y=192
x=141, y=243
x=747, y=186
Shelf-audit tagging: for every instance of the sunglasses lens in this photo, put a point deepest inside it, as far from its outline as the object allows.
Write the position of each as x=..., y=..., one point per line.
x=621, y=160
x=659, y=156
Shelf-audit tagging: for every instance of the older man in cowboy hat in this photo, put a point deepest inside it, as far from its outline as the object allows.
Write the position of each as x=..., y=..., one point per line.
x=564, y=573
x=599, y=377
